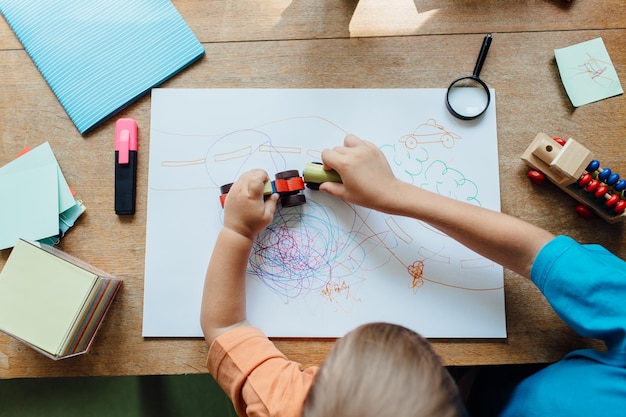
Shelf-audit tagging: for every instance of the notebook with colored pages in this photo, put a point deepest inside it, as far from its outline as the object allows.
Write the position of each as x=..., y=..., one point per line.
x=52, y=301
x=98, y=56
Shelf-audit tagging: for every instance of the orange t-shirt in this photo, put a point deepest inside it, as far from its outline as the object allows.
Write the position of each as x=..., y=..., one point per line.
x=257, y=377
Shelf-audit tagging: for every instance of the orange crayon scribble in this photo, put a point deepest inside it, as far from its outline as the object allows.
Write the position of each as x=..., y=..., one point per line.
x=416, y=270
x=335, y=290
x=280, y=149
x=244, y=152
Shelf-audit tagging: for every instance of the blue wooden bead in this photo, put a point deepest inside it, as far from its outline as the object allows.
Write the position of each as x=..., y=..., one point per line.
x=620, y=185
x=613, y=178
x=593, y=165
x=604, y=174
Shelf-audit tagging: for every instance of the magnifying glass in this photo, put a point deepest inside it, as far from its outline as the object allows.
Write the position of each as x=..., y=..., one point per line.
x=468, y=97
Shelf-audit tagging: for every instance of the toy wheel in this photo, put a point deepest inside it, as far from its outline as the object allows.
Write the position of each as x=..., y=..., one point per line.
x=224, y=189
x=285, y=175
x=293, y=200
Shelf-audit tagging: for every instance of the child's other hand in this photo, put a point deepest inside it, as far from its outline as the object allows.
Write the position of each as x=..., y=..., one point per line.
x=367, y=178
x=245, y=211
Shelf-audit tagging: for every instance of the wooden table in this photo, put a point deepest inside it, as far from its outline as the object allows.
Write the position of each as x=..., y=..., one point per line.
x=333, y=44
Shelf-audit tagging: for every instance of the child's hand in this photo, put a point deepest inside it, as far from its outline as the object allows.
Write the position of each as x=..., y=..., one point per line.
x=367, y=178
x=245, y=212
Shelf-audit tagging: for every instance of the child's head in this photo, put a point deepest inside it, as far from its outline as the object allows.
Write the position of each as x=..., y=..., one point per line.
x=381, y=369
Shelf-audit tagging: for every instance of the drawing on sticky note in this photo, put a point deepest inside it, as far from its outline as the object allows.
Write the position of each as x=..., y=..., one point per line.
x=587, y=72
x=327, y=257
x=596, y=70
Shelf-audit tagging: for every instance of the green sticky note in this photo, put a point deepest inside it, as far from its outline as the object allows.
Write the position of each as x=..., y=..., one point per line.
x=43, y=155
x=30, y=201
x=41, y=296
x=587, y=72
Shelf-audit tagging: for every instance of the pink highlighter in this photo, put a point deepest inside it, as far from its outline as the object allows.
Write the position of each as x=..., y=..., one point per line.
x=125, y=166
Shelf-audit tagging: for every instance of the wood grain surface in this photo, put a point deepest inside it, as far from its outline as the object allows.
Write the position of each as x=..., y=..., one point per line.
x=333, y=44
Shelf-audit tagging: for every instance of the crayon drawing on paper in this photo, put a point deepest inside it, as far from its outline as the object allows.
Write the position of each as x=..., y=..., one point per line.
x=324, y=267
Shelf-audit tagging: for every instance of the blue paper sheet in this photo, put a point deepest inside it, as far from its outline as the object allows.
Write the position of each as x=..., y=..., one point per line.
x=98, y=56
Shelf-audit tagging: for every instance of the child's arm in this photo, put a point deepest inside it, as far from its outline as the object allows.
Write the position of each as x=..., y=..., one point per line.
x=368, y=181
x=245, y=216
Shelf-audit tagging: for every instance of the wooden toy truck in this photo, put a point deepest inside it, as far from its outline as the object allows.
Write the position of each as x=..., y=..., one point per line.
x=288, y=184
x=571, y=167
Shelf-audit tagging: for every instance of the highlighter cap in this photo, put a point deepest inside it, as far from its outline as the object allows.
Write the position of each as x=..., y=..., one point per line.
x=125, y=138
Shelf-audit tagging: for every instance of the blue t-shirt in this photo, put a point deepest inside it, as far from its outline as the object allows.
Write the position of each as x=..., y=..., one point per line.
x=586, y=286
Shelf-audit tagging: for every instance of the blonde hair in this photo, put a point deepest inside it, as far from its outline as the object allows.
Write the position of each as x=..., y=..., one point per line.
x=381, y=370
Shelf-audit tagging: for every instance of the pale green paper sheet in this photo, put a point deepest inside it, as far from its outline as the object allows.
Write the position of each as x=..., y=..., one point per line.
x=35, y=193
x=43, y=155
x=587, y=72
x=29, y=206
x=41, y=296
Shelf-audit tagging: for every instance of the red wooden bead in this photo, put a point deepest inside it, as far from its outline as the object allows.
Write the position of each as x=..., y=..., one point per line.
x=536, y=177
x=584, y=179
x=601, y=191
x=613, y=199
x=620, y=207
x=560, y=141
x=584, y=212
x=593, y=184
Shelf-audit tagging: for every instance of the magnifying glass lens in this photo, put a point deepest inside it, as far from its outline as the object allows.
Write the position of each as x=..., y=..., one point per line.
x=468, y=97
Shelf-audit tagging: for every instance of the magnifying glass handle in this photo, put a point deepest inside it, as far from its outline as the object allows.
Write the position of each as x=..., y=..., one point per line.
x=483, y=55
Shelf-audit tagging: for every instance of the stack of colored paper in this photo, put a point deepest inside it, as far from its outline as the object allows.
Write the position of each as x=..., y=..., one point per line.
x=52, y=301
x=38, y=204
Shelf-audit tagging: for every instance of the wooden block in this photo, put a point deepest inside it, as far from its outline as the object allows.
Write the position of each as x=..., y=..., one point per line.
x=539, y=157
x=572, y=160
x=546, y=149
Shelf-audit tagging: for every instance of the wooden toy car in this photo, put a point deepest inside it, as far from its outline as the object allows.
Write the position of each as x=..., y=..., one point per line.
x=288, y=184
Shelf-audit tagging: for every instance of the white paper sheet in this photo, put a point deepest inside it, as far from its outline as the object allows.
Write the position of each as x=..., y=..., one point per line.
x=324, y=267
